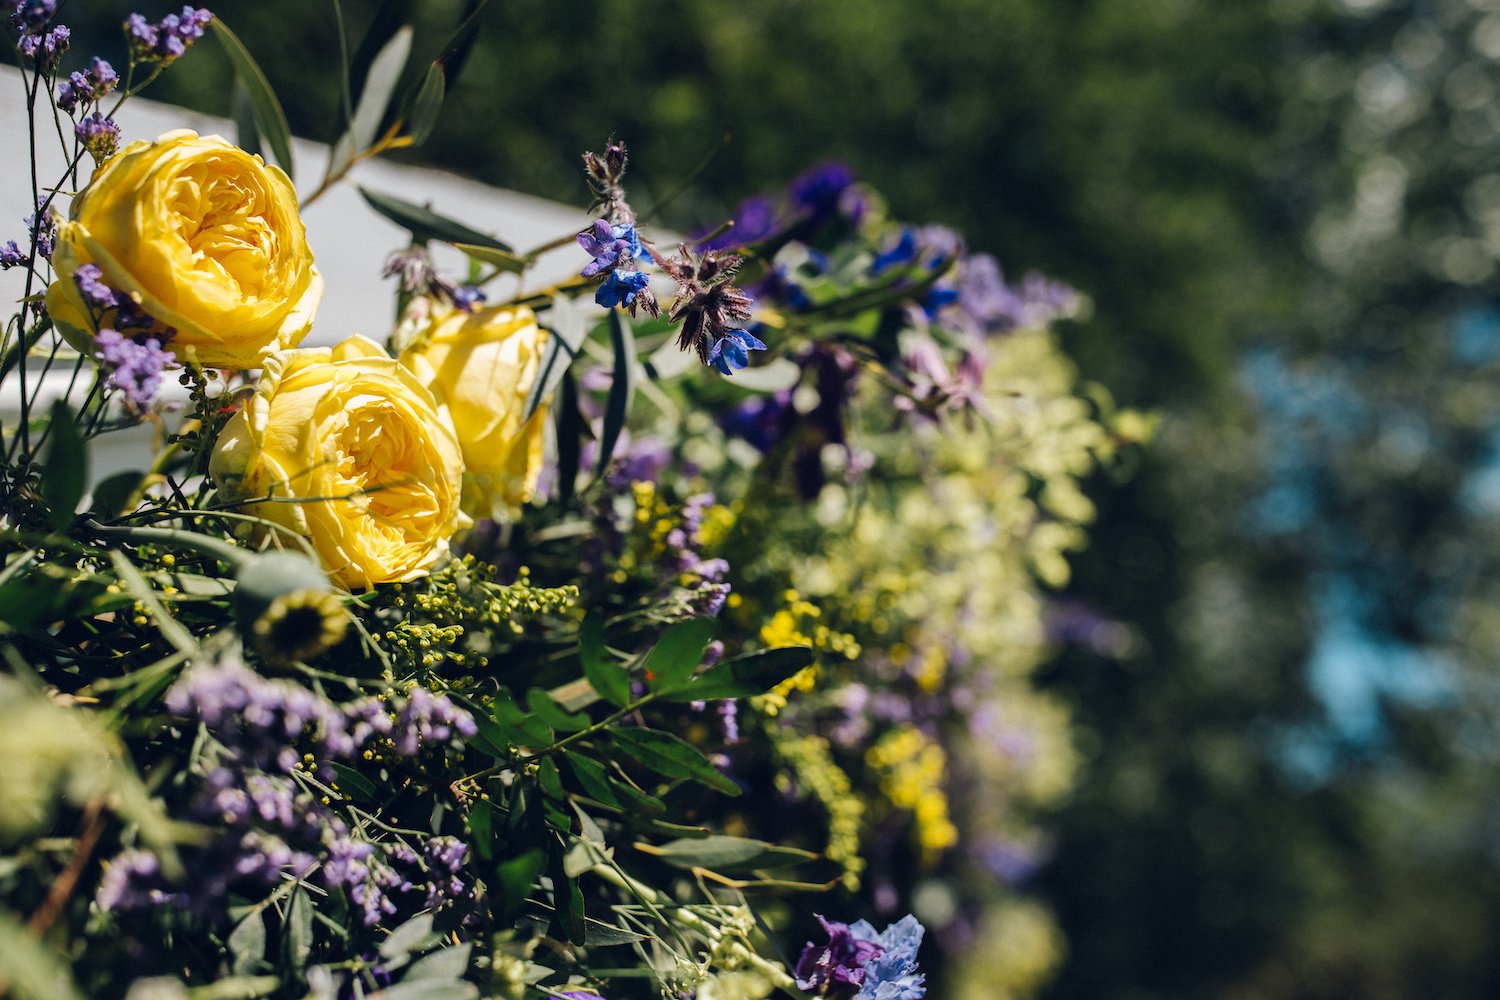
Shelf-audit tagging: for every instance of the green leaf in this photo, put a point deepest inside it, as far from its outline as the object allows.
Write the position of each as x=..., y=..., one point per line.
x=621, y=388
x=743, y=676
x=727, y=855
x=425, y=224
x=113, y=492
x=549, y=780
x=270, y=119
x=609, y=678
x=66, y=468
x=461, y=41
x=670, y=756
x=544, y=708
x=482, y=828
x=505, y=260
x=297, y=929
x=525, y=728
x=568, y=913
x=31, y=968
x=569, y=429
x=247, y=942
x=598, y=934
x=677, y=653
x=565, y=321
x=380, y=84
x=592, y=778
x=353, y=785
x=236, y=988
x=413, y=936
x=514, y=880
x=428, y=989
x=242, y=111
x=423, y=116
x=448, y=963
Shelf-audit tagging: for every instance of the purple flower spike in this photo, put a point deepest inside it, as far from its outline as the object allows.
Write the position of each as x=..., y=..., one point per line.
x=135, y=366
x=11, y=256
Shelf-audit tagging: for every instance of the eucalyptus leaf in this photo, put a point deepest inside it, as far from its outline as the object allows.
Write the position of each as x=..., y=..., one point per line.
x=565, y=321
x=592, y=777
x=447, y=963
x=569, y=430
x=726, y=855
x=270, y=119
x=621, y=389
x=380, y=84
x=413, y=936
x=428, y=989
x=247, y=942
x=426, y=106
x=297, y=929
x=505, y=260
x=424, y=224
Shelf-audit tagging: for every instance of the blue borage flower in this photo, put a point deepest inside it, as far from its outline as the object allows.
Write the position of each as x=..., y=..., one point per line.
x=621, y=288
x=610, y=246
x=730, y=353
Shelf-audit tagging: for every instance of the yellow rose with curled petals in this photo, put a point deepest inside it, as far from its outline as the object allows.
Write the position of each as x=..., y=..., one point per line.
x=347, y=448
x=482, y=365
x=202, y=236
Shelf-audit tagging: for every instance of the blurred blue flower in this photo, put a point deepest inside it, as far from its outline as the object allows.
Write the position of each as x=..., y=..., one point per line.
x=731, y=353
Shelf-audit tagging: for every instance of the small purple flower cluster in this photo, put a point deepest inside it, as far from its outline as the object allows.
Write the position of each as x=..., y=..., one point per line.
x=168, y=38
x=272, y=821
x=702, y=578
x=858, y=964
x=87, y=87
x=41, y=230
x=40, y=41
x=135, y=364
x=996, y=307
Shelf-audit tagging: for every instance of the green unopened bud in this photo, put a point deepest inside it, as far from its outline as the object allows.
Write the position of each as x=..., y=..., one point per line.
x=286, y=608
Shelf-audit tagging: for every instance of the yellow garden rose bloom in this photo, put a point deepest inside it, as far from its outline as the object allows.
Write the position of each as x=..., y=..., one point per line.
x=482, y=366
x=347, y=448
x=204, y=237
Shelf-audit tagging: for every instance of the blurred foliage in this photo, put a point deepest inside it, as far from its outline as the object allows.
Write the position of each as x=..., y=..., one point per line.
x=1286, y=215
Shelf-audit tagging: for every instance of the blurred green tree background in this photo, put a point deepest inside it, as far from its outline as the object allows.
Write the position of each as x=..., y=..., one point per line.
x=1287, y=215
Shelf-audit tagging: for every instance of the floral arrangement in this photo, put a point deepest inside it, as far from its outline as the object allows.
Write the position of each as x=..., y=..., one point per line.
x=591, y=640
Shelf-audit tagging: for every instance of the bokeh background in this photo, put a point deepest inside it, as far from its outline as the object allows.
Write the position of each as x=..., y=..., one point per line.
x=1287, y=216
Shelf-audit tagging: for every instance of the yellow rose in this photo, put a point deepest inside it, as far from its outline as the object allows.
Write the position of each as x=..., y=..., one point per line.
x=354, y=454
x=482, y=366
x=204, y=237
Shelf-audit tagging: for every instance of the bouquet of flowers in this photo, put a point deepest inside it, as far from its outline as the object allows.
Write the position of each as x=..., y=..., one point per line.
x=568, y=643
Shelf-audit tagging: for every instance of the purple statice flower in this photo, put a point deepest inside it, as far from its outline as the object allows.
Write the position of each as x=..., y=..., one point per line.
x=91, y=286
x=621, y=288
x=32, y=16
x=731, y=352
x=445, y=863
x=10, y=255
x=135, y=365
x=817, y=192
x=359, y=869
x=169, y=38
x=99, y=134
x=729, y=718
x=87, y=87
x=839, y=962
x=425, y=718
x=45, y=49
x=42, y=226
x=132, y=881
